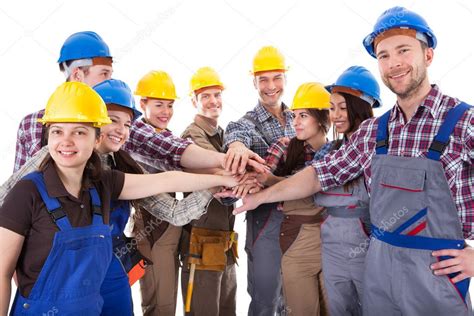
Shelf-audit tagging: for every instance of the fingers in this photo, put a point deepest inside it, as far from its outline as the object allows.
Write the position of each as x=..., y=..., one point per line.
x=445, y=263
x=256, y=189
x=460, y=277
x=445, y=271
x=257, y=166
x=256, y=157
x=241, y=209
x=447, y=252
x=228, y=158
x=224, y=194
x=243, y=163
x=234, y=168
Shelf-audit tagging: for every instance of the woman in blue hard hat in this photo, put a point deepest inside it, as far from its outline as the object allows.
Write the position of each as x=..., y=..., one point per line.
x=345, y=231
x=52, y=222
x=115, y=289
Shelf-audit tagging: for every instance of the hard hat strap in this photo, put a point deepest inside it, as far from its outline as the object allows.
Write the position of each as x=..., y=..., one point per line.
x=76, y=64
x=107, y=61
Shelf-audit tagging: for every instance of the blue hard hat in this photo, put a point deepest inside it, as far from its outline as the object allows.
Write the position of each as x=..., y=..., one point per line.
x=83, y=45
x=399, y=17
x=360, y=79
x=117, y=92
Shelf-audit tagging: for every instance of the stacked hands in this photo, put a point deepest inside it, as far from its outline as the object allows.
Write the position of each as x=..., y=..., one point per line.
x=247, y=168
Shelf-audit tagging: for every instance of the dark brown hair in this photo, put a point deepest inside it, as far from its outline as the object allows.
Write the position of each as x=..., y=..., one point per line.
x=295, y=151
x=358, y=111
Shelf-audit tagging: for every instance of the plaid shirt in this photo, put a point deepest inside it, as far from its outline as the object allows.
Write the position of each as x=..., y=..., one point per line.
x=160, y=150
x=244, y=131
x=411, y=139
x=163, y=206
x=277, y=154
x=28, y=138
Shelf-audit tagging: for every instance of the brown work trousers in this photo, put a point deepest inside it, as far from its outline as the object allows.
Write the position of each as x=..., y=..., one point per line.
x=302, y=277
x=159, y=285
x=214, y=292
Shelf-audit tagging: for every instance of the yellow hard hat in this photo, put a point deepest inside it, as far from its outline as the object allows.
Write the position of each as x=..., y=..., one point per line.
x=156, y=84
x=268, y=58
x=75, y=102
x=311, y=95
x=203, y=78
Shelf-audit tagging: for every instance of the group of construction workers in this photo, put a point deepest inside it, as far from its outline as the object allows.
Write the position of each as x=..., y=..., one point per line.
x=372, y=222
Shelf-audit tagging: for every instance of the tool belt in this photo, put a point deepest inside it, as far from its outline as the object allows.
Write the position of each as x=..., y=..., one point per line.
x=208, y=248
x=291, y=225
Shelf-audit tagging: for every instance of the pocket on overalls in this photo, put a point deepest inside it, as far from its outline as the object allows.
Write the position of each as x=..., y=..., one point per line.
x=79, y=273
x=402, y=197
x=447, y=288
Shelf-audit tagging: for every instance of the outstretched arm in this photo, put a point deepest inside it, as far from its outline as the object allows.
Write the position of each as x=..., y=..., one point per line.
x=236, y=159
x=138, y=186
x=300, y=185
x=177, y=212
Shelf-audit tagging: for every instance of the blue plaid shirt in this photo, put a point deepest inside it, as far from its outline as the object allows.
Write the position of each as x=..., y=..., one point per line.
x=245, y=132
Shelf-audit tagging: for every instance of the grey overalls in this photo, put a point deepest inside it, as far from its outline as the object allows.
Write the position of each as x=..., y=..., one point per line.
x=345, y=242
x=412, y=214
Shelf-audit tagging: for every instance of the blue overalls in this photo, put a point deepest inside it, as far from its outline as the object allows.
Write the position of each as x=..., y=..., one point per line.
x=412, y=214
x=116, y=290
x=69, y=282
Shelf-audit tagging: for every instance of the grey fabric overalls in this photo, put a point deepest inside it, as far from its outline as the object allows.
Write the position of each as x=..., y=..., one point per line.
x=345, y=242
x=412, y=214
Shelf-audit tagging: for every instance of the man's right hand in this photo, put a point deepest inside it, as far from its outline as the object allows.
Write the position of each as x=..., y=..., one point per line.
x=238, y=157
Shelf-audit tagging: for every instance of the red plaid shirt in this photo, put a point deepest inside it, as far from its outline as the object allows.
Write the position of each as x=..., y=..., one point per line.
x=28, y=141
x=277, y=153
x=157, y=149
x=411, y=139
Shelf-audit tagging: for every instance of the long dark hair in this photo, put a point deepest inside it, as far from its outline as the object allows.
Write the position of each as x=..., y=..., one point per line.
x=295, y=151
x=358, y=111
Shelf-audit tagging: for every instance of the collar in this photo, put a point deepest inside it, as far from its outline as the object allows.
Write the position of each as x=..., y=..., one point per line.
x=54, y=185
x=263, y=114
x=431, y=103
x=157, y=130
x=209, y=126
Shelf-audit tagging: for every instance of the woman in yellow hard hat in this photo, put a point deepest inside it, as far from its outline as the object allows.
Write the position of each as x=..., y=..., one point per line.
x=159, y=285
x=300, y=241
x=54, y=222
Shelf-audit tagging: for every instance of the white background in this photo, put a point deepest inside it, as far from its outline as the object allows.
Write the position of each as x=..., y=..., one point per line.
x=319, y=40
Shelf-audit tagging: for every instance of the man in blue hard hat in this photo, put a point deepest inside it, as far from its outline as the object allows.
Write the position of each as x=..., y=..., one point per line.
x=84, y=57
x=417, y=160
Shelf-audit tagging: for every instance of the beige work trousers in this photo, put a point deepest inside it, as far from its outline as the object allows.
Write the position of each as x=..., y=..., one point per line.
x=303, y=286
x=159, y=285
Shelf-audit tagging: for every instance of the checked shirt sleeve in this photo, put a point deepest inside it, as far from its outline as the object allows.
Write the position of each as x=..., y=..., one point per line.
x=163, y=148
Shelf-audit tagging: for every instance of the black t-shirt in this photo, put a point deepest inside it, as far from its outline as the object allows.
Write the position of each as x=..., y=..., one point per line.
x=24, y=212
